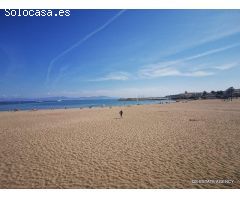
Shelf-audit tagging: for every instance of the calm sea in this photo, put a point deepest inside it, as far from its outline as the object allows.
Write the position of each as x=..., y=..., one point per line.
x=8, y=106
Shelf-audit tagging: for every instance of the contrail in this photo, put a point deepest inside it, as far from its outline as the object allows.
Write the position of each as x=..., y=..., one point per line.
x=88, y=36
x=213, y=51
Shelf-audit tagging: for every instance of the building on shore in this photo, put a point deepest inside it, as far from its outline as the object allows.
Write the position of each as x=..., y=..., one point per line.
x=186, y=95
x=228, y=93
x=236, y=93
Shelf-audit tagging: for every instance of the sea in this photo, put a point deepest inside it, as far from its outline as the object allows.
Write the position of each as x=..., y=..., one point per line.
x=65, y=104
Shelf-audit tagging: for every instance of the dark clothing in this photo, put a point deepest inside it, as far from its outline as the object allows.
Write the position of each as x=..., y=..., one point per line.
x=121, y=113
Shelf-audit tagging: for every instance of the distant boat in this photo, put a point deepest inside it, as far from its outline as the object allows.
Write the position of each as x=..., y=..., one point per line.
x=59, y=100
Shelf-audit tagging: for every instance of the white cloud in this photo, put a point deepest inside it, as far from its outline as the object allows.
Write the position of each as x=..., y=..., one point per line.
x=227, y=66
x=170, y=68
x=154, y=73
x=158, y=72
x=198, y=73
x=117, y=76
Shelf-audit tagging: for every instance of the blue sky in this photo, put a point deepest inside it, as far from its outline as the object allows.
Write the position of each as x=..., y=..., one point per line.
x=124, y=53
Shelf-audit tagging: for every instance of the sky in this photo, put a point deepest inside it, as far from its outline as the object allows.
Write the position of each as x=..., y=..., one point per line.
x=119, y=53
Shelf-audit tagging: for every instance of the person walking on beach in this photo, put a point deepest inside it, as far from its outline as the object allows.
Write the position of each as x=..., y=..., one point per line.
x=121, y=113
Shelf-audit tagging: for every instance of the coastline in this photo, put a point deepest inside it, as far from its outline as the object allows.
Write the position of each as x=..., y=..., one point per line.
x=66, y=106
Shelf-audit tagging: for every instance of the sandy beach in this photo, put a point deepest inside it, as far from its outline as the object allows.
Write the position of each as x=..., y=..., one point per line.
x=152, y=146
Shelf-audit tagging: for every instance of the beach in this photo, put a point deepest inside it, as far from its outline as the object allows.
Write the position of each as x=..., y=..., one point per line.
x=192, y=144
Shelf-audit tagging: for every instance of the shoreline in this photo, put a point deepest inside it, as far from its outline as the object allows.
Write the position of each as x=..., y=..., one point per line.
x=113, y=106
x=85, y=107
x=65, y=107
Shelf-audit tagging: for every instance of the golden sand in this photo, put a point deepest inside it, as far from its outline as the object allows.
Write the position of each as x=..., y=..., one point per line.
x=153, y=146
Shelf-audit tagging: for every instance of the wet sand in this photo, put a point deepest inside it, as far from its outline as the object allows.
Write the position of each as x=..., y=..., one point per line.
x=153, y=146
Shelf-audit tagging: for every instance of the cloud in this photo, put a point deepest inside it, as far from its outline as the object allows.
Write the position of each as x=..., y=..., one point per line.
x=170, y=68
x=227, y=66
x=198, y=73
x=159, y=72
x=117, y=76
x=170, y=71
x=82, y=40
